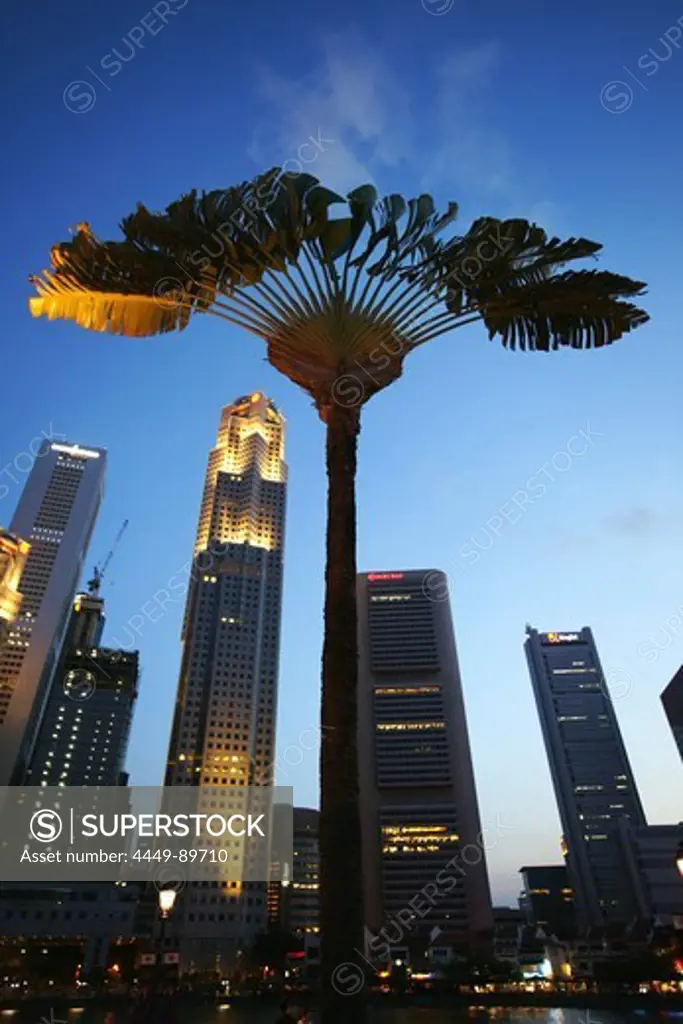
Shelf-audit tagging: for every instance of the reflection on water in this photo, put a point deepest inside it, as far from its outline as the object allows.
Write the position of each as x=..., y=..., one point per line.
x=255, y=1014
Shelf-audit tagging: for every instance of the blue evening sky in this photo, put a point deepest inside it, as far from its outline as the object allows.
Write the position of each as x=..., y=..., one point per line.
x=510, y=109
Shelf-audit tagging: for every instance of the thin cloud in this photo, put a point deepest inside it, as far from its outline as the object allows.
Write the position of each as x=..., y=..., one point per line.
x=448, y=143
x=634, y=522
x=354, y=98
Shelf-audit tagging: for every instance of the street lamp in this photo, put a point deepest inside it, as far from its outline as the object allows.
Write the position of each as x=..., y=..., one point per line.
x=167, y=898
x=679, y=858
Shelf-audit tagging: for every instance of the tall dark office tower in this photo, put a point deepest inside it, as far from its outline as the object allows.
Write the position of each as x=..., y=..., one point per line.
x=672, y=700
x=418, y=801
x=594, y=784
x=55, y=515
x=84, y=733
x=224, y=725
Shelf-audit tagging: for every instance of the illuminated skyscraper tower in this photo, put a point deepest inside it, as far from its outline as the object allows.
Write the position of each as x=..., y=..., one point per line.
x=13, y=554
x=55, y=515
x=224, y=725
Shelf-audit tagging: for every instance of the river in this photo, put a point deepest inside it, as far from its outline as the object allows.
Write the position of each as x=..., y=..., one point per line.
x=414, y=1015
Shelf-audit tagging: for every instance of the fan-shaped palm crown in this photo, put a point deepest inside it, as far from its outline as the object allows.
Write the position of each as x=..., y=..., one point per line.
x=330, y=296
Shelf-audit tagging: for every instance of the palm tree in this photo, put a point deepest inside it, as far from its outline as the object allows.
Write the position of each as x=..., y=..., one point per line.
x=340, y=302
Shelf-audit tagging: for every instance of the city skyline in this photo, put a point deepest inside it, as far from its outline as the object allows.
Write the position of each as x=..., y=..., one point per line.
x=446, y=449
x=290, y=759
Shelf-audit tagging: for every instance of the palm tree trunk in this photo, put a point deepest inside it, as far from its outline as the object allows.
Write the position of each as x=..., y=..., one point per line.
x=341, y=886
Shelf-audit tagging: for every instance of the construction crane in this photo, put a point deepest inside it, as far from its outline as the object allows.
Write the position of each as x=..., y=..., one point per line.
x=98, y=575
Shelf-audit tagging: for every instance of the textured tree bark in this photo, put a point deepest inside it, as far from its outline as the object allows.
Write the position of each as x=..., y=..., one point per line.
x=341, y=886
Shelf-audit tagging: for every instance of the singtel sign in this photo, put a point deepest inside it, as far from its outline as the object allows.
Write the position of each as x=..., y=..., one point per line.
x=562, y=638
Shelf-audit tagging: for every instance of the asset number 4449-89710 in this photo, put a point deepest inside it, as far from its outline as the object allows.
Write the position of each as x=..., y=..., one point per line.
x=219, y=856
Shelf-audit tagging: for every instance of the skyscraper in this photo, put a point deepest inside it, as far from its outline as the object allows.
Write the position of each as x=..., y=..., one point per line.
x=592, y=777
x=651, y=854
x=418, y=801
x=13, y=554
x=294, y=902
x=84, y=733
x=82, y=741
x=672, y=701
x=547, y=900
x=224, y=725
x=55, y=515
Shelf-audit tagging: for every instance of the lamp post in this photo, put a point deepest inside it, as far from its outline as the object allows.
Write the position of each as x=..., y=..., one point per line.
x=167, y=898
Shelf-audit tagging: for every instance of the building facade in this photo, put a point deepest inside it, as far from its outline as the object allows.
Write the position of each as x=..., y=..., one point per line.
x=418, y=801
x=82, y=741
x=672, y=701
x=93, y=916
x=303, y=897
x=547, y=899
x=294, y=902
x=83, y=737
x=593, y=782
x=650, y=855
x=13, y=554
x=223, y=731
x=507, y=926
x=56, y=515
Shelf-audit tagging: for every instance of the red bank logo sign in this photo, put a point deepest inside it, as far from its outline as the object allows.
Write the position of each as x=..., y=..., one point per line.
x=374, y=577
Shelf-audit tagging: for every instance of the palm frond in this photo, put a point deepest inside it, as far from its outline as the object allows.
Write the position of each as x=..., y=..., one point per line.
x=579, y=309
x=332, y=295
x=134, y=316
x=115, y=287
